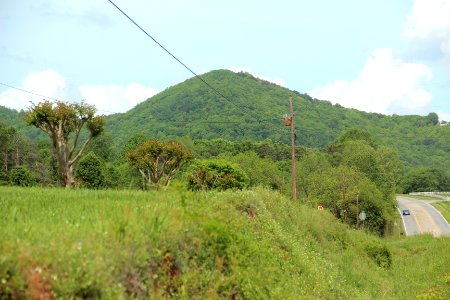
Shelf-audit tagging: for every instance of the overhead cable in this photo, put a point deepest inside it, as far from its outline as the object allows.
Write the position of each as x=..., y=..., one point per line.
x=177, y=59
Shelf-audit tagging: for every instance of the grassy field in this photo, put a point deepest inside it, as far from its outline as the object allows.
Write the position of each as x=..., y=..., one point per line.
x=444, y=208
x=70, y=244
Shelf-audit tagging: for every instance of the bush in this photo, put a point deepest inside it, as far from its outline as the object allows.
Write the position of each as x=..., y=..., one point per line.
x=216, y=174
x=380, y=255
x=90, y=172
x=22, y=176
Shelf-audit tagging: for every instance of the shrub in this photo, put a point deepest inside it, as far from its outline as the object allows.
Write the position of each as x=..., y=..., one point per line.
x=380, y=254
x=216, y=174
x=22, y=176
x=90, y=172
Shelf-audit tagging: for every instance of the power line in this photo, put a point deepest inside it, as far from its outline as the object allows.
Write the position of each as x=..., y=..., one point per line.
x=43, y=96
x=177, y=59
x=25, y=91
x=153, y=118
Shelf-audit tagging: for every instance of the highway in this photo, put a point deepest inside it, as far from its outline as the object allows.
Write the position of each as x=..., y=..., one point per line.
x=424, y=218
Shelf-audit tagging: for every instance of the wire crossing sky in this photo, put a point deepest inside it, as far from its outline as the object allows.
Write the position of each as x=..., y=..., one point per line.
x=390, y=57
x=178, y=60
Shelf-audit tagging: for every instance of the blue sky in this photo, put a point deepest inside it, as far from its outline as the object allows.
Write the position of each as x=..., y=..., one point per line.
x=375, y=55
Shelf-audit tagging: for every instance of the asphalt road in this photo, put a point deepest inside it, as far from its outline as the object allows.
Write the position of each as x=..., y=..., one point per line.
x=424, y=218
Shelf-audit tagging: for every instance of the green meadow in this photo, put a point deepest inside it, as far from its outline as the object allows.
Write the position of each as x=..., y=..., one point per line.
x=255, y=244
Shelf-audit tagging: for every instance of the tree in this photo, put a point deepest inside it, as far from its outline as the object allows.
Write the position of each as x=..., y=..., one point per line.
x=156, y=160
x=432, y=118
x=103, y=147
x=426, y=179
x=134, y=142
x=261, y=171
x=361, y=156
x=63, y=123
x=389, y=171
x=355, y=134
x=309, y=164
x=45, y=164
x=14, y=150
x=6, y=142
x=346, y=192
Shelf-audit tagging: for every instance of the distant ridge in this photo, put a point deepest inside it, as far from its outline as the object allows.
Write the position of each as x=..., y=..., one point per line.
x=192, y=109
x=254, y=111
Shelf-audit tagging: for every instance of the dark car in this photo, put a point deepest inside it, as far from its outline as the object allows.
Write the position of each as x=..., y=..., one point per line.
x=406, y=212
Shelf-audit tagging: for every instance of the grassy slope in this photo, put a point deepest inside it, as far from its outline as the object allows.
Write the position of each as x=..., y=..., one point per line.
x=250, y=244
x=444, y=208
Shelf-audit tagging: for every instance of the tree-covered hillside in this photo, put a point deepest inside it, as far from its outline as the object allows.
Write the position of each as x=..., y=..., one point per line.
x=11, y=117
x=254, y=109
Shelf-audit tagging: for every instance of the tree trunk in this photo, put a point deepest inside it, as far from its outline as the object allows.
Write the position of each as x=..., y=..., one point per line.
x=65, y=169
x=69, y=179
x=5, y=160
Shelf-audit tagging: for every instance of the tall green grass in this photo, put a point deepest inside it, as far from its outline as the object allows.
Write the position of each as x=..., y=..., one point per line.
x=246, y=245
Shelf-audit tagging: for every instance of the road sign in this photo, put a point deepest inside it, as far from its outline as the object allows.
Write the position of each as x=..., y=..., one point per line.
x=362, y=216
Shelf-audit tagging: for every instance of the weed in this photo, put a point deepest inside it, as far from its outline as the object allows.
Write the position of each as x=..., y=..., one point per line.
x=379, y=254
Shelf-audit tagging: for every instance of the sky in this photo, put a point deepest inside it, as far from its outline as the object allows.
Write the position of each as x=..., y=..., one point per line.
x=384, y=56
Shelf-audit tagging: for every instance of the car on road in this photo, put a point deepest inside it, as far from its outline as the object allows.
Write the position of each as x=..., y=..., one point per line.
x=406, y=212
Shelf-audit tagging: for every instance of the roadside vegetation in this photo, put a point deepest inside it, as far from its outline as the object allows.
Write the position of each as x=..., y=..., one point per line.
x=444, y=208
x=196, y=245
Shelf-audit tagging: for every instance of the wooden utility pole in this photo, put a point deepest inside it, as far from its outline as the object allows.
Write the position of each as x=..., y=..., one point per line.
x=357, y=210
x=294, y=175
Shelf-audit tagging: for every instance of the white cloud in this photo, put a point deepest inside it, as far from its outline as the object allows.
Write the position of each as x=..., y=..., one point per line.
x=384, y=85
x=278, y=81
x=116, y=98
x=443, y=116
x=429, y=18
x=429, y=26
x=106, y=98
x=46, y=83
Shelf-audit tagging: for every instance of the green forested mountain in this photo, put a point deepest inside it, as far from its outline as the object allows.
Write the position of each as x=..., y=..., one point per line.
x=254, y=109
x=11, y=117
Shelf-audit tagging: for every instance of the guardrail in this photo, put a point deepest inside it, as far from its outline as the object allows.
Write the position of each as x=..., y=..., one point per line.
x=435, y=194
